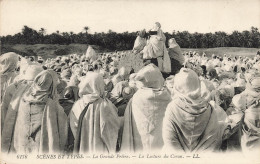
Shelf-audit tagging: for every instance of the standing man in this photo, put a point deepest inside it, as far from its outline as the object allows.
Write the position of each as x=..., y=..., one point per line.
x=140, y=42
x=175, y=53
x=155, y=51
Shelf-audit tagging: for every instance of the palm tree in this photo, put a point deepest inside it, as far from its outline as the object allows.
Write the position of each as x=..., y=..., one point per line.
x=71, y=36
x=42, y=31
x=86, y=28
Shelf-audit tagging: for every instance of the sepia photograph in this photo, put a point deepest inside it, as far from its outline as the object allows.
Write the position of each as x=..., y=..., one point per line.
x=130, y=81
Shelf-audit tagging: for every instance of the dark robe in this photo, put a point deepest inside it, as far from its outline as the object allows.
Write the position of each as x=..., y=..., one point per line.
x=176, y=59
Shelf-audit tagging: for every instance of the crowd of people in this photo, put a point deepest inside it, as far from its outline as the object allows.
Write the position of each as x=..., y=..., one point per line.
x=185, y=102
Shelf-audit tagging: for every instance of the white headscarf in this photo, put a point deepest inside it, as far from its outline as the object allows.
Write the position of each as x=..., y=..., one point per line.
x=92, y=87
x=150, y=76
x=91, y=54
x=188, y=86
x=32, y=71
x=157, y=27
x=8, y=62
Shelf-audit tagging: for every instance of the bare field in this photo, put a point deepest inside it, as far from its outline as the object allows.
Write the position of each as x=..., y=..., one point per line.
x=52, y=50
x=48, y=50
x=233, y=51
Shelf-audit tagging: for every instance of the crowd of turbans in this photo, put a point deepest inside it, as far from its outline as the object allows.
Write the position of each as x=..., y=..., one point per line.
x=177, y=102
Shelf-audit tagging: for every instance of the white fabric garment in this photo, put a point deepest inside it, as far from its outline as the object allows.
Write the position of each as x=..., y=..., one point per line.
x=100, y=124
x=139, y=44
x=156, y=48
x=91, y=54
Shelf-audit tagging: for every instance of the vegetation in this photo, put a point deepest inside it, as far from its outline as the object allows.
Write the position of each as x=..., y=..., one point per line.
x=124, y=41
x=49, y=50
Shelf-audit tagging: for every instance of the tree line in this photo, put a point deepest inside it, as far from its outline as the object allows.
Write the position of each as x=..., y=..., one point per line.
x=124, y=41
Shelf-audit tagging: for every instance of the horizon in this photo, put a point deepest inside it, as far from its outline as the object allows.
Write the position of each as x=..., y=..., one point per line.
x=228, y=33
x=101, y=16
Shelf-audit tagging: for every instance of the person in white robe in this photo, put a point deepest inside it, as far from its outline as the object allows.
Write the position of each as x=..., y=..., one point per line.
x=93, y=119
x=91, y=55
x=140, y=42
x=155, y=51
x=191, y=124
x=8, y=64
x=35, y=122
x=144, y=113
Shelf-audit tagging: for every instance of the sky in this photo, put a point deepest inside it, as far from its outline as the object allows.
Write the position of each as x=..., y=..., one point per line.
x=125, y=15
